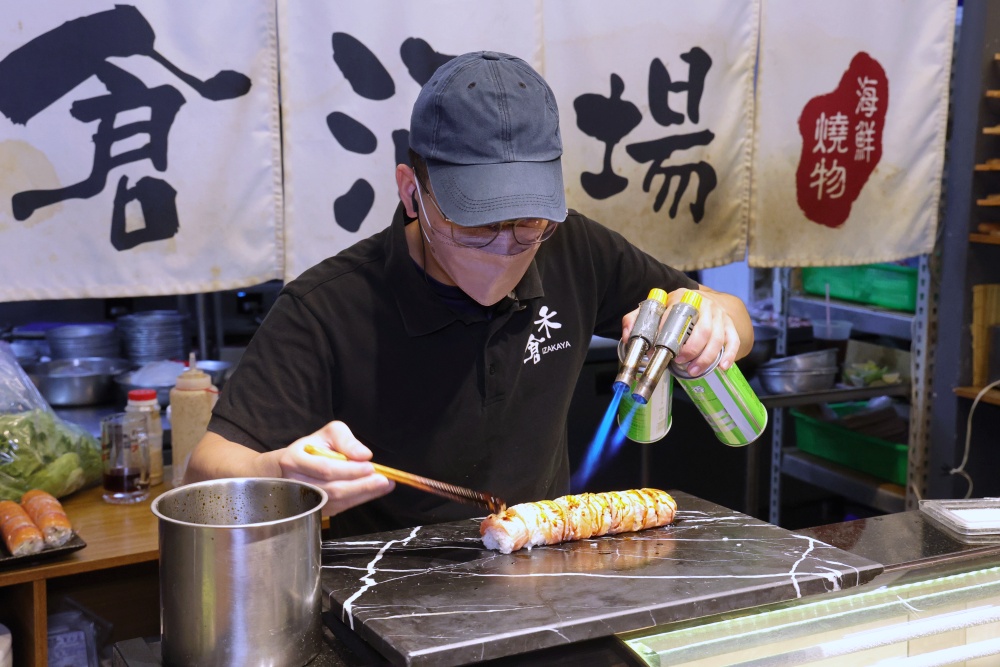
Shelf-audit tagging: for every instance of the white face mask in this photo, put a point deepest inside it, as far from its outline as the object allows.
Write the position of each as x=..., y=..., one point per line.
x=485, y=276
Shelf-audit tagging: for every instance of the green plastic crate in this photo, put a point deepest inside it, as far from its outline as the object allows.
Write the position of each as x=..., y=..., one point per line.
x=857, y=451
x=886, y=285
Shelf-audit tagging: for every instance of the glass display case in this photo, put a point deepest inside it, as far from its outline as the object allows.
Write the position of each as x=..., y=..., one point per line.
x=943, y=620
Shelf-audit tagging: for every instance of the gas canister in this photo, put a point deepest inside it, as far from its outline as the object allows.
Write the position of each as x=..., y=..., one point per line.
x=646, y=421
x=726, y=401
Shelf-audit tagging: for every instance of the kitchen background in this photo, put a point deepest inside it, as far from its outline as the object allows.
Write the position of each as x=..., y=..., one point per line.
x=738, y=140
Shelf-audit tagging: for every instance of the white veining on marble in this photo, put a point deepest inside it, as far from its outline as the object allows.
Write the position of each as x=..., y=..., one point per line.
x=831, y=575
x=644, y=577
x=415, y=570
x=457, y=611
x=857, y=572
x=795, y=565
x=371, y=571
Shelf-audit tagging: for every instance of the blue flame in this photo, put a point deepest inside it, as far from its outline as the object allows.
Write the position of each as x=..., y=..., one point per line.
x=623, y=430
x=582, y=476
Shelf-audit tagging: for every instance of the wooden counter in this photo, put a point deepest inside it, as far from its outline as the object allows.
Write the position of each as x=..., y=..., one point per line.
x=115, y=576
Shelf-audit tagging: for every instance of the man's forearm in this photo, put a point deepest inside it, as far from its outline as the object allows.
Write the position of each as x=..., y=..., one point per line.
x=215, y=458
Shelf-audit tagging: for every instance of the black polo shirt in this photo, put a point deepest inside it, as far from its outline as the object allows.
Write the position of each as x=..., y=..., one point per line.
x=475, y=398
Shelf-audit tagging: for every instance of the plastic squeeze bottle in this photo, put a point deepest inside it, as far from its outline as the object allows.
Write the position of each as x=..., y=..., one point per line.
x=191, y=403
x=144, y=401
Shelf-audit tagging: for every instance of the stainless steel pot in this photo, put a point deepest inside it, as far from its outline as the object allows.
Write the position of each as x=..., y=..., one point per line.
x=239, y=572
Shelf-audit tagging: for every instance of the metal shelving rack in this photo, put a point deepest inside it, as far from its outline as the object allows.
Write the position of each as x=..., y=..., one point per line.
x=967, y=258
x=918, y=328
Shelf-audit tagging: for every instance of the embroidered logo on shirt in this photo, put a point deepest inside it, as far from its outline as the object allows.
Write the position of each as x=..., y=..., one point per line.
x=545, y=324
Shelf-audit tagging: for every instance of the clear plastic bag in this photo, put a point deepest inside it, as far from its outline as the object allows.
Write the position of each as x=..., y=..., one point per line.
x=38, y=450
x=72, y=640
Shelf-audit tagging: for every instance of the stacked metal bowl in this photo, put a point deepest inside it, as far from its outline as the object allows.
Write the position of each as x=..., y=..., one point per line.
x=75, y=341
x=810, y=371
x=154, y=335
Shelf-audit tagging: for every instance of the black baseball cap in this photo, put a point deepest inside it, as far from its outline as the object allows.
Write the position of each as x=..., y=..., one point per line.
x=487, y=125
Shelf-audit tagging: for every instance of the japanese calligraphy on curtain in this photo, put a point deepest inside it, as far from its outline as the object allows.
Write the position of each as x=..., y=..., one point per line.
x=139, y=148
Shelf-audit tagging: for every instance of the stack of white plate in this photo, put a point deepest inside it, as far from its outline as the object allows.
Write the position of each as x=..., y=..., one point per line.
x=154, y=335
x=83, y=340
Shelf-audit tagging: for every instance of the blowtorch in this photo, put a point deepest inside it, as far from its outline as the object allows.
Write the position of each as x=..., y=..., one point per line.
x=672, y=336
x=641, y=337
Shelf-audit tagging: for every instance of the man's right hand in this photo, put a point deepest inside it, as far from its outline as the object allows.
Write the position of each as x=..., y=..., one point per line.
x=348, y=483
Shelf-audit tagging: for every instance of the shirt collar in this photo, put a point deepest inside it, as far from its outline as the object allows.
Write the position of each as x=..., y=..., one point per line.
x=422, y=310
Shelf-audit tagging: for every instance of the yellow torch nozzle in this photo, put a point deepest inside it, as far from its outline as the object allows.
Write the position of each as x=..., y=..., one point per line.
x=692, y=298
x=658, y=294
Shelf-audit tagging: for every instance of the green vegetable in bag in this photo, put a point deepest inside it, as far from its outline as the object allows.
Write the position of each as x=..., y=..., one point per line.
x=38, y=450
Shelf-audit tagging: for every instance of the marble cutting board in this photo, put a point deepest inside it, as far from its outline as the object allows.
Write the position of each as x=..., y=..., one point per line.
x=435, y=595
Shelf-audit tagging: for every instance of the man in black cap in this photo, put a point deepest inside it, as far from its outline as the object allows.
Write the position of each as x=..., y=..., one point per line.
x=449, y=344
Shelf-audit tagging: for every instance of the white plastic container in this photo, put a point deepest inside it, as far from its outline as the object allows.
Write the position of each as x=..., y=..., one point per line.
x=191, y=403
x=144, y=401
x=969, y=520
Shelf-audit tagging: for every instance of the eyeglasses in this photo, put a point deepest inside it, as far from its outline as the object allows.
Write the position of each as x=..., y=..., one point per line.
x=527, y=231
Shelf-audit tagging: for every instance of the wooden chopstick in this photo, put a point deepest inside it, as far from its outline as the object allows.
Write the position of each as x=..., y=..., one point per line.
x=443, y=489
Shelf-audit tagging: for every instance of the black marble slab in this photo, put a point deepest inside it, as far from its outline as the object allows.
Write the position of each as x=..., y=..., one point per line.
x=433, y=595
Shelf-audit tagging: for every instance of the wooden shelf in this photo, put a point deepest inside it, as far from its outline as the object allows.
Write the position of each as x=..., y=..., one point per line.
x=115, y=575
x=993, y=94
x=992, y=130
x=989, y=200
x=989, y=165
x=992, y=396
x=993, y=239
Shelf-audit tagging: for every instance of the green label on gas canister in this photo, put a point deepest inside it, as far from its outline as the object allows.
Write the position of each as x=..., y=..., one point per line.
x=727, y=402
